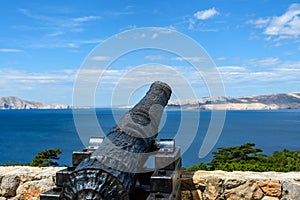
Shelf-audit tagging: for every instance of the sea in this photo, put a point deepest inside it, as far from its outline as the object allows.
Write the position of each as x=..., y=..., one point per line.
x=24, y=133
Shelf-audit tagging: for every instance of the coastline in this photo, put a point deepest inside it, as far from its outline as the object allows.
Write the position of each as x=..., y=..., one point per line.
x=177, y=108
x=253, y=102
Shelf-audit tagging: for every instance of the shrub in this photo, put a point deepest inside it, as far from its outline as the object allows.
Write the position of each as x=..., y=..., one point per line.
x=45, y=158
x=248, y=158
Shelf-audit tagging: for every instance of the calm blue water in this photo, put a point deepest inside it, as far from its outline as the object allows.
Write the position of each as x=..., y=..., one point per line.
x=24, y=133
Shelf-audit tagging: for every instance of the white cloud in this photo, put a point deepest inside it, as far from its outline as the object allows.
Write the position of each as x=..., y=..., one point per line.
x=120, y=13
x=101, y=58
x=289, y=70
x=86, y=18
x=72, y=45
x=95, y=71
x=237, y=79
x=221, y=58
x=260, y=23
x=53, y=30
x=231, y=68
x=190, y=59
x=131, y=26
x=206, y=14
x=154, y=57
x=10, y=50
x=61, y=44
x=11, y=76
x=284, y=26
x=158, y=57
x=263, y=62
x=158, y=32
x=27, y=13
x=132, y=79
x=279, y=75
x=92, y=41
x=154, y=36
x=51, y=22
x=196, y=22
x=54, y=34
x=49, y=86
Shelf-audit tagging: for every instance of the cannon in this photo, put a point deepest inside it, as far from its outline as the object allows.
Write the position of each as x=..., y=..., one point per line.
x=114, y=167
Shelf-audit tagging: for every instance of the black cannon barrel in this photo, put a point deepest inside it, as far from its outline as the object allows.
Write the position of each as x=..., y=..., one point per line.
x=110, y=172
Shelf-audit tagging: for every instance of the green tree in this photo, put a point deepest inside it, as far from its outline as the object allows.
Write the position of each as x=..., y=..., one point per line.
x=200, y=166
x=244, y=157
x=248, y=158
x=45, y=158
x=284, y=161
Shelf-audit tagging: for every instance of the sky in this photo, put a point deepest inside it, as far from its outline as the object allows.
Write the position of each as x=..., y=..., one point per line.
x=255, y=46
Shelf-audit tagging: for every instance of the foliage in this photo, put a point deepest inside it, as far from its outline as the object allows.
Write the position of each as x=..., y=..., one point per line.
x=240, y=158
x=45, y=158
x=284, y=161
x=200, y=166
x=248, y=158
x=9, y=163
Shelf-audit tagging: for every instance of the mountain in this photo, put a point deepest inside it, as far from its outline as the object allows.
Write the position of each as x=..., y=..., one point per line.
x=254, y=102
x=17, y=103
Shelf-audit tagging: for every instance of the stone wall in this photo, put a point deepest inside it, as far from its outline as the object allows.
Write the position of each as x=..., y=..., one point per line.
x=220, y=185
x=28, y=183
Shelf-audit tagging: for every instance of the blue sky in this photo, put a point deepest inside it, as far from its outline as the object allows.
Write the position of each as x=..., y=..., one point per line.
x=255, y=44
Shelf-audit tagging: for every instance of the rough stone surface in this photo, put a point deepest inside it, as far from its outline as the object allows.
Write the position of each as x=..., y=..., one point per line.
x=249, y=190
x=271, y=188
x=33, y=189
x=198, y=179
x=26, y=183
x=220, y=185
x=9, y=184
x=270, y=198
x=290, y=190
x=233, y=183
x=213, y=188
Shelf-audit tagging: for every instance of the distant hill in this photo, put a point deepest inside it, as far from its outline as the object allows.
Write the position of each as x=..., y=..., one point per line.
x=17, y=103
x=254, y=102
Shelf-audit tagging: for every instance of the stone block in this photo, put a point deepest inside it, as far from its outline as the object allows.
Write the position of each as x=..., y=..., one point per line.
x=249, y=190
x=271, y=188
x=9, y=185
